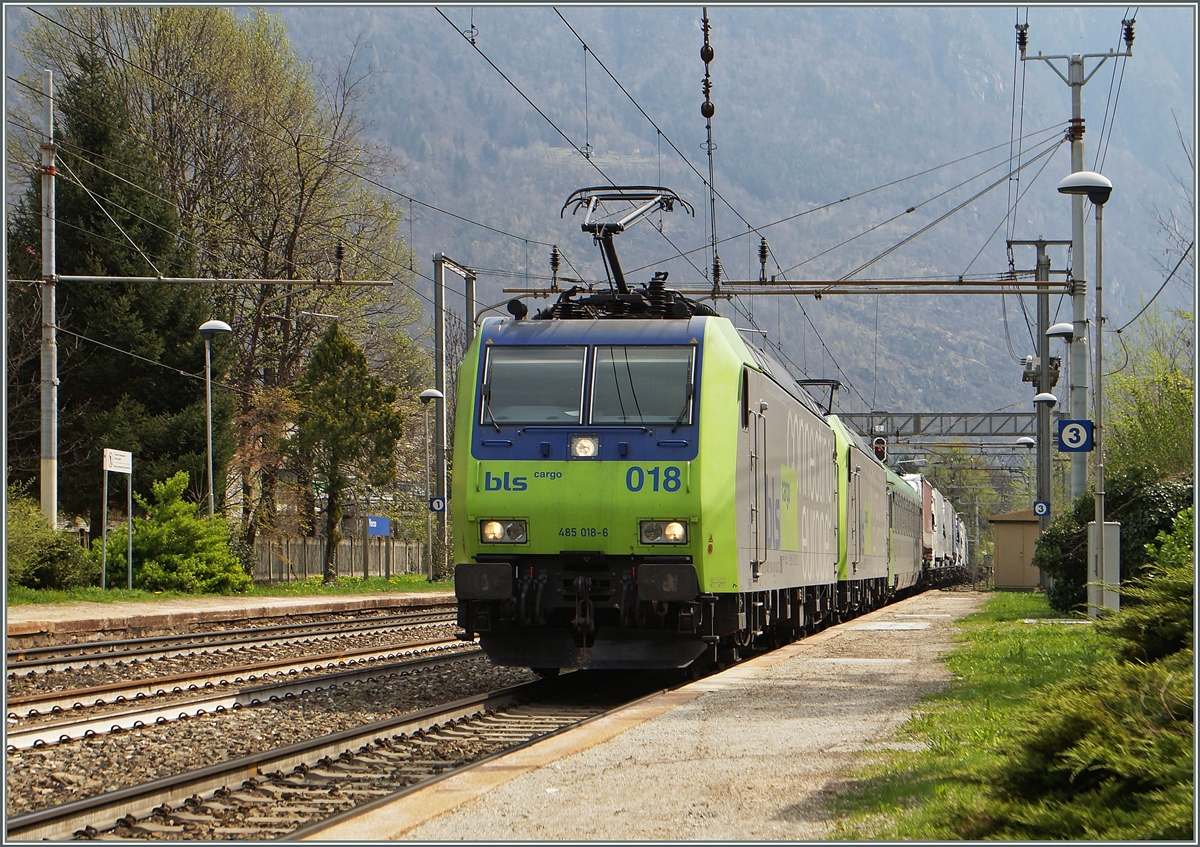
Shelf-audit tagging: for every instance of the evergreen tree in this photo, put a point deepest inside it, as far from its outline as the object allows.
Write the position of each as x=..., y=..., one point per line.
x=131, y=361
x=349, y=428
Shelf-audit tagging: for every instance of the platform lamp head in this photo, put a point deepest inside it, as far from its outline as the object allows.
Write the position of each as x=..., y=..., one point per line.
x=1096, y=187
x=1063, y=330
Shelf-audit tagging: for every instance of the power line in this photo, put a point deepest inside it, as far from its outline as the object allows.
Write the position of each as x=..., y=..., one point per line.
x=1160, y=288
x=1112, y=99
x=553, y=125
x=267, y=134
x=943, y=217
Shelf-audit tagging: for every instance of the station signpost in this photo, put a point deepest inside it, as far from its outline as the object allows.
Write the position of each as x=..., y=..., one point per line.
x=117, y=461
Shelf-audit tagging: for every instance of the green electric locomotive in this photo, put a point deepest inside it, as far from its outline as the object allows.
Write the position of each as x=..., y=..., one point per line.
x=637, y=486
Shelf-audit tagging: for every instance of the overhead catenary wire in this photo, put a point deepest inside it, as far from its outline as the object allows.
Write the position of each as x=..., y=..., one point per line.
x=266, y=133
x=553, y=125
x=756, y=229
x=92, y=156
x=1051, y=145
x=85, y=153
x=1170, y=276
x=164, y=366
x=329, y=230
x=1017, y=126
x=708, y=182
x=1113, y=99
x=964, y=204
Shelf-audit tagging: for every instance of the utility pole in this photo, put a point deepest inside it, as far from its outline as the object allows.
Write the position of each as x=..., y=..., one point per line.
x=440, y=263
x=49, y=383
x=51, y=277
x=1076, y=77
x=1044, y=375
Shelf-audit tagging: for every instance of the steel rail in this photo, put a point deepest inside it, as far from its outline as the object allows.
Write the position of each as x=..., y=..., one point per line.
x=161, y=713
x=60, y=656
x=24, y=658
x=100, y=812
x=315, y=829
x=113, y=692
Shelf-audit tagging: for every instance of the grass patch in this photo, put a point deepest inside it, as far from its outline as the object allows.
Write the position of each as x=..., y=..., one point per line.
x=350, y=585
x=968, y=727
x=312, y=587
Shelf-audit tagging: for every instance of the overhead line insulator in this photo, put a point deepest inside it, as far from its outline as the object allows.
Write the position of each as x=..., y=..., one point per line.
x=1127, y=32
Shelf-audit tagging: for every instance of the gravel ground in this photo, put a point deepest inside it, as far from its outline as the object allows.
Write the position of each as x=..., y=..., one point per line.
x=755, y=756
x=40, y=778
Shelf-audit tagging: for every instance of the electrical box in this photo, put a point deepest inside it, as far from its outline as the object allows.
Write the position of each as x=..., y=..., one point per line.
x=1104, y=579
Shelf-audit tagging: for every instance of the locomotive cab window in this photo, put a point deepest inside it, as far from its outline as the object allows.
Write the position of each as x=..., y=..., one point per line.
x=532, y=385
x=643, y=385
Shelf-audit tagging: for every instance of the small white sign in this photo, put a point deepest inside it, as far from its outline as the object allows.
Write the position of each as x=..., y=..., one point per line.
x=118, y=460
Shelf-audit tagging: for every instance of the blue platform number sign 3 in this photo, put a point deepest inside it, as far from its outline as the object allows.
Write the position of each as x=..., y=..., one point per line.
x=1075, y=436
x=1041, y=508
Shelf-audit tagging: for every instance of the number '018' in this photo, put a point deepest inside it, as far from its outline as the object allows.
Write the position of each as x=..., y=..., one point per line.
x=658, y=478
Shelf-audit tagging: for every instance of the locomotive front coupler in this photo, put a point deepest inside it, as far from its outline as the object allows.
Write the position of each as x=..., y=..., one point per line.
x=585, y=619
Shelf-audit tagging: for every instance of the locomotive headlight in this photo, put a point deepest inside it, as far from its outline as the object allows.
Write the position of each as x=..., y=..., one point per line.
x=663, y=532
x=502, y=532
x=492, y=531
x=585, y=446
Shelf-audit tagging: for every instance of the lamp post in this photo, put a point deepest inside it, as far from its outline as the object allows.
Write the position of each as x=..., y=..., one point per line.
x=1028, y=443
x=426, y=396
x=1096, y=188
x=1043, y=402
x=208, y=330
x=1065, y=331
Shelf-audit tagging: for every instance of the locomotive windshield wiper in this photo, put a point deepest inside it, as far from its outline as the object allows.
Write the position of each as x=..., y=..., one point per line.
x=487, y=406
x=687, y=402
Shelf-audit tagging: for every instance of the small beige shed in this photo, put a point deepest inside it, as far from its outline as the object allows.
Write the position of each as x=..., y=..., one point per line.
x=1015, y=534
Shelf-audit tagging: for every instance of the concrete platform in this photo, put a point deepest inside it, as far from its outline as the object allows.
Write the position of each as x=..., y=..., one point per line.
x=44, y=624
x=752, y=754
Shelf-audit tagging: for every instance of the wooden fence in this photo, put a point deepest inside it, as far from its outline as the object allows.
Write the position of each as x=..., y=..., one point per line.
x=289, y=559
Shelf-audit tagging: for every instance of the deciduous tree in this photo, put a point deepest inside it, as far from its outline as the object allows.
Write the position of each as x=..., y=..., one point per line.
x=130, y=358
x=268, y=165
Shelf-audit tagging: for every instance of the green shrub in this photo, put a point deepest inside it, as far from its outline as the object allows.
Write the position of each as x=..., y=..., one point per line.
x=1108, y=754
x=1103, y=756
x=39, y=557
x=175, y=549
x=1144, y=506
x=1157, y=609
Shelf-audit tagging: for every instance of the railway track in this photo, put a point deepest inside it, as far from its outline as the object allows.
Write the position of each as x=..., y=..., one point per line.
x=62, y=657
x=302, y=786
x=204, y=692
